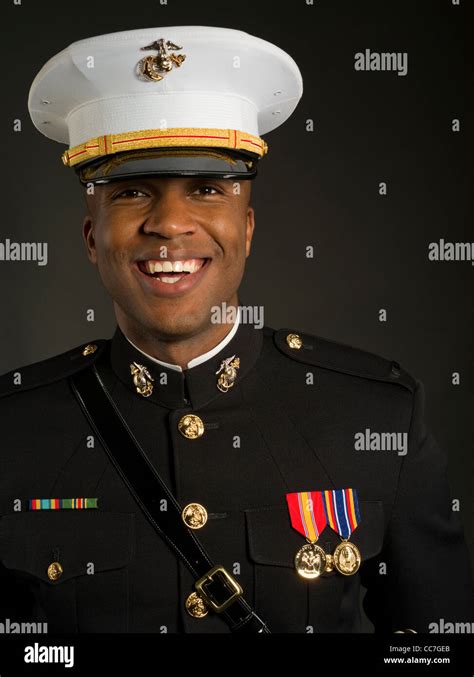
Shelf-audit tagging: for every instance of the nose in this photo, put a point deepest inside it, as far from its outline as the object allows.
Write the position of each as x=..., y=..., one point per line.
x=170, y=216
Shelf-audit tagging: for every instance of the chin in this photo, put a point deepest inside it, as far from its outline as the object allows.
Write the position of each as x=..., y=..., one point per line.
x=172, y=327
x=167, y=319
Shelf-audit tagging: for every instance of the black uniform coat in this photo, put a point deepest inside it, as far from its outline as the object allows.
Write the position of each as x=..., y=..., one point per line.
x=276, y=431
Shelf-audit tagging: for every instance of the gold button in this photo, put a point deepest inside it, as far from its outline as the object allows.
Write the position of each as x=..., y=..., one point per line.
x=55, y=570
x=329, y=563
x=408, y=630
x=194, y=515
x=89, y=349
x=294, y=341
x=191, y=426
x=196, y=606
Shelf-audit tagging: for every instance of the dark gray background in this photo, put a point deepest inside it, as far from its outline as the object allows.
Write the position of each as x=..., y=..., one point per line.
x=317, y=188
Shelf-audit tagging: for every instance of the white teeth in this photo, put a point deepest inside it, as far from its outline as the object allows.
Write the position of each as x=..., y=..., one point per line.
x=170, y=280
x=193, y=265
x=183, y=266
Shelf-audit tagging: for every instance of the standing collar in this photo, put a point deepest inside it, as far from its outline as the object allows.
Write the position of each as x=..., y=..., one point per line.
x=195, y=386
x=201, y=358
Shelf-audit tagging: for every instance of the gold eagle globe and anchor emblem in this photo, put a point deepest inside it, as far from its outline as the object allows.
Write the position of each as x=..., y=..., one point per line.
x=142, y=379
x=156, y=67
x=227, y=373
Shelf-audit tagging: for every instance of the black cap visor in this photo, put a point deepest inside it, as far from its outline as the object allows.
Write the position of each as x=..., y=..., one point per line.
x=205, y=162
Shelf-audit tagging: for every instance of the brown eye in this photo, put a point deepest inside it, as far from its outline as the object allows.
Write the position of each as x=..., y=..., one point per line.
x=130, y=193
x=207, y=190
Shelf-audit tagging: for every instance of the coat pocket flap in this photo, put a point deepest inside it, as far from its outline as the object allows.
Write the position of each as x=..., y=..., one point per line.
x=81, y=541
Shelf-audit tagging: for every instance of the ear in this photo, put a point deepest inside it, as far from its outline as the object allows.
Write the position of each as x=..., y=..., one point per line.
x=88, y=237
x=249, y=230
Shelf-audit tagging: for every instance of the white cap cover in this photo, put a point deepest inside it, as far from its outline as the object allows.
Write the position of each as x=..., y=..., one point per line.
x=191, y=86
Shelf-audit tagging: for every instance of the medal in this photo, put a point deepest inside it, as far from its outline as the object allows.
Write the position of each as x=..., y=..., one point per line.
x=347, y=558
x=310, y=561
x=308, y=517
x=342, y=513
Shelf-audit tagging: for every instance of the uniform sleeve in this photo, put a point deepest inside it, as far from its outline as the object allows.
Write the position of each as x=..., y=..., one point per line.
x=428, y=575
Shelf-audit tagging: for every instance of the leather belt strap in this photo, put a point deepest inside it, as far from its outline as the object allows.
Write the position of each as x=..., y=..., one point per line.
x=214, y=584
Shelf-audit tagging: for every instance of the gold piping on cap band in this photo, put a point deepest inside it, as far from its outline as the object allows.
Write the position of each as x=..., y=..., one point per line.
x=159, y=138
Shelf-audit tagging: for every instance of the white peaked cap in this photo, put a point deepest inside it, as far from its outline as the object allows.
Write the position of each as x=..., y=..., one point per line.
x=96, y=97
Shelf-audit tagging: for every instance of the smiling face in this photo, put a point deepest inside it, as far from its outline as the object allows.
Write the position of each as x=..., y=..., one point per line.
x=169, y=249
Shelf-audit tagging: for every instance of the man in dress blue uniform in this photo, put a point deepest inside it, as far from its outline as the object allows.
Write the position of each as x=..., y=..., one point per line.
x=253, y=430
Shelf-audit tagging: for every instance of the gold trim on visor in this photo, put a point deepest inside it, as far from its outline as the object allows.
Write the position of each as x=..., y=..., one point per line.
x=159, y=138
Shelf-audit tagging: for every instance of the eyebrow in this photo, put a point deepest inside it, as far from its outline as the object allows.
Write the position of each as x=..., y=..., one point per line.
x=147, y=182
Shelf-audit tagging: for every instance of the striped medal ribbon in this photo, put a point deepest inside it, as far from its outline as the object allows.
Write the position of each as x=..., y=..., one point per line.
x=341, y=507
x=308, y=517
x=62, y=503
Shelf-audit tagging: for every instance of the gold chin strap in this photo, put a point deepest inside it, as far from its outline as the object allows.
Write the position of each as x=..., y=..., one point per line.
x=164, y=138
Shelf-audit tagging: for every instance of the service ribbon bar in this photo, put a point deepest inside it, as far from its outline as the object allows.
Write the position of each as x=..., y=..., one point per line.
x=342, y=510
x=62, y=503
x=307, y=513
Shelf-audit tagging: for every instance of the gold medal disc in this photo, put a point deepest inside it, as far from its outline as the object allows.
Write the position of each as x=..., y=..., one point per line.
x=347, y=558
x=310, y=560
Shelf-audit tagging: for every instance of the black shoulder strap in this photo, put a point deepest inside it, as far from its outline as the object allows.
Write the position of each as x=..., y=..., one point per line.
x=219, y=590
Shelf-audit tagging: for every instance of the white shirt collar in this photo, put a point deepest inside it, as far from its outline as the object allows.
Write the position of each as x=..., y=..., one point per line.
x=200, y=358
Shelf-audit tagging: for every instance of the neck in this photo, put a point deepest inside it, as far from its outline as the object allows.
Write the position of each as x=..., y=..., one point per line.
x=174, y=350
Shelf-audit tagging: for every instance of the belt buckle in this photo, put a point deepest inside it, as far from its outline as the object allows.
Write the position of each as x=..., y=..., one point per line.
x=207, y=578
